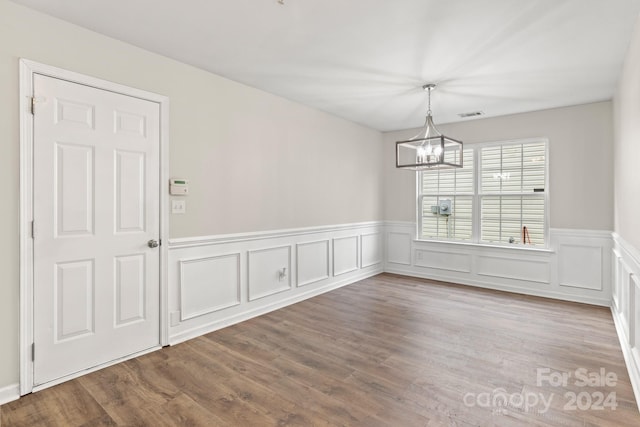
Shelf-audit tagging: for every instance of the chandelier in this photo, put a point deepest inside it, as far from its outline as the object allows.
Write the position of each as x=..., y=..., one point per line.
x=429, y=148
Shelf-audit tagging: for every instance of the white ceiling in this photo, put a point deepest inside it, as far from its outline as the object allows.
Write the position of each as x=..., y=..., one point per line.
x=366, y=60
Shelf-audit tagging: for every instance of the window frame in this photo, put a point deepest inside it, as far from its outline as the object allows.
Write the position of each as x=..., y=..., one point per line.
x=476, y=206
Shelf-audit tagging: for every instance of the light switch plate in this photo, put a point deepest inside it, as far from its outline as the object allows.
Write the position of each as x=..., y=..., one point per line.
x=178, y=206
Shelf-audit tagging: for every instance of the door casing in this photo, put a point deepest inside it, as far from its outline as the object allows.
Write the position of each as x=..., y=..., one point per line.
x=27, y=70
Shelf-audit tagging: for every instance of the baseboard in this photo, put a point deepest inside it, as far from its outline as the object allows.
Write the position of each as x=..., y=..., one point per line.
x=9, y=393
x=235, y=319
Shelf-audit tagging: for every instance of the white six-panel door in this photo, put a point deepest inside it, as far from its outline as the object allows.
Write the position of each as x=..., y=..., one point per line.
x=95, y=208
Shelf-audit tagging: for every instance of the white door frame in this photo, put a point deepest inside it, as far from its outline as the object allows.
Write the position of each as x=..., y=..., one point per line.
x=27, y=70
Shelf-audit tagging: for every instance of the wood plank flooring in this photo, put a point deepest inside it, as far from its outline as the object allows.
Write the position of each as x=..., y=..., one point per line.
x=386, y=351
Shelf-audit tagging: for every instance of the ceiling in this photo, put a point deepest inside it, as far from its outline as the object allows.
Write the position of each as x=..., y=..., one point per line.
x=366, y=61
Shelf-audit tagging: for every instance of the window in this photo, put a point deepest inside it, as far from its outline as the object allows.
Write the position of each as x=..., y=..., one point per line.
x=498, y=197
x=456, y=185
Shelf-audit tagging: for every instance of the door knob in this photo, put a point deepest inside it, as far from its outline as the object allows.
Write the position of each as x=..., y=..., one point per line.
x=153, y=243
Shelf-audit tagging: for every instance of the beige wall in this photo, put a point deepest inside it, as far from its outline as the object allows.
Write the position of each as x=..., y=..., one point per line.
x=627, y=146
x=255, y=161
x=580, y=162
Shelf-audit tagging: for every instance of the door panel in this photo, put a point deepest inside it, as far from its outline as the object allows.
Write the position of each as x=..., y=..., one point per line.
x=74, y=189
x=73, y=113
x=130, y=289
x=74, y=287
x=96, y=204
x=130, y=189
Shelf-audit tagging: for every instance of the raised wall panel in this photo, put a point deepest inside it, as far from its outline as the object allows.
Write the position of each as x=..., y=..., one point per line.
x=580, y=266
x=265, y=267
x=616, y=262
x=371, y=249
x=312, y=262
x=129, y=124
x=74, y=305
x=345, y=255
x=208, y=284
x=130, y=191
x=449, y=261
x=399, y=248
x=74, y=190
x=130, y=301
x=625, y=285
x=74, y=113
x=513, y=268
x=634, y=321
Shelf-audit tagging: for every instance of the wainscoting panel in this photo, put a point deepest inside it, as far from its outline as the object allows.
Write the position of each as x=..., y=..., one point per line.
x=371, y=252
x=526, y=270
x=217, y=281
x=558, y=271
x=580, y=266
x=441, y=260
x=625, y=301
x=399, y=247
x=634, y=318
x=209, y=284
x=616, y=262
x=269, y=271
x=345, y=255
x=625, y=305
x=313, y=262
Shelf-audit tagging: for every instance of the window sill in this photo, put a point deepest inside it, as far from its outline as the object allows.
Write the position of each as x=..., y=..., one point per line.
x=488, y=246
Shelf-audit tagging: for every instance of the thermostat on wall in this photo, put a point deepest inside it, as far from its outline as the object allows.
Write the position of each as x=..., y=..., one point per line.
x=178, y=186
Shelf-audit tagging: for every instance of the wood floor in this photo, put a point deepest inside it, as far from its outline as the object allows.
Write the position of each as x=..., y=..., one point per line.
x=386, y=351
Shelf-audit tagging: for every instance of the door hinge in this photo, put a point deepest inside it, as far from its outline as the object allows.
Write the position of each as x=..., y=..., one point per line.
x=33, y=229
x=34, y=101
x=33, y=352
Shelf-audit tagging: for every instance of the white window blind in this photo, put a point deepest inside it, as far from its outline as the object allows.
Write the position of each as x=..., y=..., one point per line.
x=456, y=185
x=512, y=187
x=499, y=191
